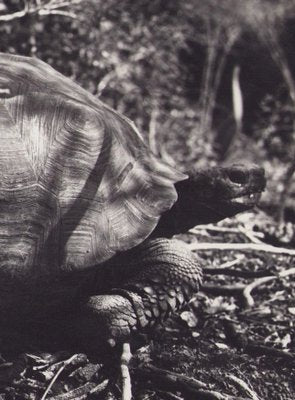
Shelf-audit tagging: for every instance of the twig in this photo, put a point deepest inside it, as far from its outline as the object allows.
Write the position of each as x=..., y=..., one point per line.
x=234, y=272
x=104, y=82
x=13, y=370
x=258, y=349
x=82, y=392
x=152, y=136
x=15, y=15
x=99, y=387
x=213, y=228
x=225, y=290
x=253, y=236
x=169, y=378
x=244, y=386
x=258, y=282
x=67, y=362
x=213, y=395
x=241, y=247
x=169, y=395
x=225, y=266
x=45, y=9
x=244, y=290
x=240, y=340
x=164, y=379
x=58, y=12
x=231, y=263
x=126, y=381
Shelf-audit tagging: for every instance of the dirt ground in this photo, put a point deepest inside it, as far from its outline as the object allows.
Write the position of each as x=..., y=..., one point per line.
x=231, y=342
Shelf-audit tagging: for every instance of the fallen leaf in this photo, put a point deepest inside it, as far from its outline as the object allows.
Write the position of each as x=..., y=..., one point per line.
x=189, y=318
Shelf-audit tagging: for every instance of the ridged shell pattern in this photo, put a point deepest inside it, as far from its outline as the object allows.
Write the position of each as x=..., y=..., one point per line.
x=77, y=182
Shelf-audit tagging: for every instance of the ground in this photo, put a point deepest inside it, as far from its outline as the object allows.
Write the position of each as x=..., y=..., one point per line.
x=229, y=343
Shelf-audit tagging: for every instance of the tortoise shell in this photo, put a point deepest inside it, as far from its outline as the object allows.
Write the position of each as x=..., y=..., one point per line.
x=77, y=182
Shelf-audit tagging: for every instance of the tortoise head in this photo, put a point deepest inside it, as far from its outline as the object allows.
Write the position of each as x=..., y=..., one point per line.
x=210, y=195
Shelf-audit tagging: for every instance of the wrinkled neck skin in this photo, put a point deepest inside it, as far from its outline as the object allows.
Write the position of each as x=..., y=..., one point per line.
x=209, y=196
x=182, y=217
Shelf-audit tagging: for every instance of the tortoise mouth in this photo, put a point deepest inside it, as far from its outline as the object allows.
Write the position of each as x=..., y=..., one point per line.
x=248, y=200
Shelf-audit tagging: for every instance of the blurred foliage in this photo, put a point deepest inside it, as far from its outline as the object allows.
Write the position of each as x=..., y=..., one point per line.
x=168, y=66
x=274, y=129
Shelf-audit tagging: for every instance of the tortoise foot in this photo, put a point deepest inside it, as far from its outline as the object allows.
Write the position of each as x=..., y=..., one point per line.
x=155, y=280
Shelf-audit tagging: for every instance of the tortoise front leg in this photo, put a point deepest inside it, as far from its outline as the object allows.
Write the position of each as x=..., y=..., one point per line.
x=152, y=281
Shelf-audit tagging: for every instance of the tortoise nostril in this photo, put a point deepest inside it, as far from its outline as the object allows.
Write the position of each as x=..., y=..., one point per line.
x=238, y=175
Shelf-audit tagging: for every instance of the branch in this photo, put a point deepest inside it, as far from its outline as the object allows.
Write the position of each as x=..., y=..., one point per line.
x=240, y=340
x=58, y=12
x=196, y=230
x=16, y=15
x=244, y=386
x=242, y=247
x=83, y=392
x=257, y=349
x=163, y=379
x=244, y=290
x=125, y=374
x=258, y=282
x=225, y=266
x=224, y=290
x=253, y=236
x=46, y=9
x=105, y=81
x=65, y=364
x=152, y=135
x=235, y=272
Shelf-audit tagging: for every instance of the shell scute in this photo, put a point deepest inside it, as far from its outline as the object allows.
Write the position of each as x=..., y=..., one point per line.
x=96, y=188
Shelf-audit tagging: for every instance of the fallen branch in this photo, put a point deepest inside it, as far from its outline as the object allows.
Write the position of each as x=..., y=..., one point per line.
x=244, y=290
x=104, y=82
x=212, y=395
x=240, y=340
x=52, y=7
x=125, y=375
x=258, y=282
x=241, y=247
x=257, y=349
x=169, y=395
x=67, y=362
x=224, y=290
x=12, y=370
x=213, y=228
x=238, y=273
x=250, y=234
x=163, y=379
x=83, y=392
x=244, y=386
x=231, y=263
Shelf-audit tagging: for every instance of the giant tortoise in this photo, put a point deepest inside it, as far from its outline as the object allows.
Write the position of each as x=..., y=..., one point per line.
x=88, y=212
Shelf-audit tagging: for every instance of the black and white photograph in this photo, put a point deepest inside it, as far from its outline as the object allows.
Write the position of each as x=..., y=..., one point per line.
x=147, y=199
